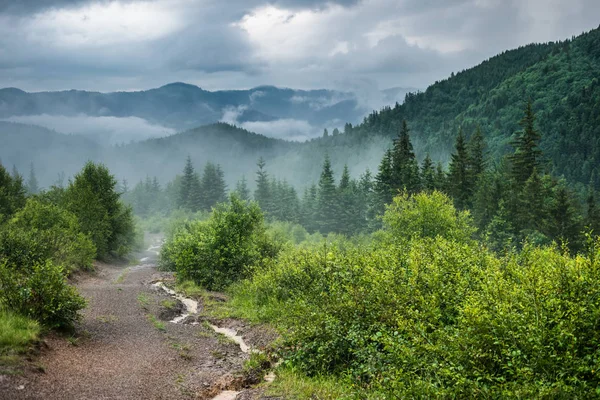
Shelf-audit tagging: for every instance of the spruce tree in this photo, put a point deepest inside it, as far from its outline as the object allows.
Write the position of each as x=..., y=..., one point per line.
x=460, y=184
x=476, y=155
x=592, y=216
x=187, y=186
x=527, y=154
x=564, y=221
x=346, y=204
x=383, y=188
x=428, y=174
x=32, y=182
x=262, y=193
x=327, y=199
x=241, y=188
x=365, y=194
x=212, y=186
x=405, y=168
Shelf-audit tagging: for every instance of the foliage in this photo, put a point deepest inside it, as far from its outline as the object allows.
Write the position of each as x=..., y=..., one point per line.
x=17, y=333
x=39, y=291
x=425, y=215
x=93, y=198
x=12, y=193
x=219, y=251
x=56, y=234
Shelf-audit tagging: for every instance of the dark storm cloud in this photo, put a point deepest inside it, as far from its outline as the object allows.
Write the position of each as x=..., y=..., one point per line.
x=109, y=45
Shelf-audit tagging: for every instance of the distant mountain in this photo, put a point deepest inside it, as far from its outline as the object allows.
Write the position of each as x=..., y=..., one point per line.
x=182, y=106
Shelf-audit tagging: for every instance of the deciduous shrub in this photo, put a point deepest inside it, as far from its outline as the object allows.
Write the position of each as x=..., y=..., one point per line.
x=219, y=251
x=55, y=232
x=39, y=291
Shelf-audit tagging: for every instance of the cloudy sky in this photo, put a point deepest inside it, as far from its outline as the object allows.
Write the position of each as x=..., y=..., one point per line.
x=340, y=44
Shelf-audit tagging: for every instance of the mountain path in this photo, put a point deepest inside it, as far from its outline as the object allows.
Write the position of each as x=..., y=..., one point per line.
x=122, y=352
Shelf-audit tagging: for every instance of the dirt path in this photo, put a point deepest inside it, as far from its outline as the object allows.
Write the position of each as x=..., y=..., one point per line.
x=124, y=351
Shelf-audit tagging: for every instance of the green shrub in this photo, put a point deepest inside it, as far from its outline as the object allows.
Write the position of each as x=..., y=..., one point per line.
x=39, y=291
x=219, y=251
x=93, y=198
x=425, y=215
x=56, y=234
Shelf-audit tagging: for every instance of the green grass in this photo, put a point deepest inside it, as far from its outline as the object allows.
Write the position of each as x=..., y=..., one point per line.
x=121, y=278
x=293, y=385
x=190, y=289
x=157, y=324
x=168, y=303
x=144, y=300
x=17, y=334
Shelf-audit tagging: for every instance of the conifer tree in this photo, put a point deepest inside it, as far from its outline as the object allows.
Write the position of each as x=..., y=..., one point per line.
x=476, y=155
x=241, y=188
x=262, y=193
x=187, y=186
x=533, y=207
x=460, y=184
x=32, y=182
x=405, y=168
x=428, y=174
x=309, y=209
x=327, y=199
x=527, y=154
x=346, y=204
x=592, y=216
x=564, y=221
x=212, y=186
x=383, y=188
x=363, y=201
x=440, y=177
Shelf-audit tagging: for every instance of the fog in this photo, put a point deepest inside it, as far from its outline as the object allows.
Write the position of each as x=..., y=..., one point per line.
x=105, y=130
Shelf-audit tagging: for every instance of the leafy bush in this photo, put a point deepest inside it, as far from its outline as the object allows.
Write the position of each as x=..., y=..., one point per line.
x=219, y=251
x=435, y=314
x=93, y=198
x=57, y=233
x=425, y=215
x=39, y=291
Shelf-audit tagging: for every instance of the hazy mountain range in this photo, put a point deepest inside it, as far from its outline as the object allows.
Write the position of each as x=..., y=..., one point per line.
x=121, y=117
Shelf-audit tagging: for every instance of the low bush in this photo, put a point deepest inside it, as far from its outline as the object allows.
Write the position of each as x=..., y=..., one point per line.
x=221, y=250
x=40, y=291
x=430, y=313
x=55, y=233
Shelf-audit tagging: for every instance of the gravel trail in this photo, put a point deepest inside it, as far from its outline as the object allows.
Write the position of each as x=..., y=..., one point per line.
x=123, y=351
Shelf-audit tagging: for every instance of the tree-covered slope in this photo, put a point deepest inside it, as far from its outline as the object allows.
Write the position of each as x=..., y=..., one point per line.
x=561, y=80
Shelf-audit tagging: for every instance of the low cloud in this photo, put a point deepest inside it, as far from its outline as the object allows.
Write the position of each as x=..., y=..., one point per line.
x=288, y=129
x=107, y=130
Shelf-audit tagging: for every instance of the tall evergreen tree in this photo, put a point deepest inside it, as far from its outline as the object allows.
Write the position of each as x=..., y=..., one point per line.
x=476, y=150
x=527, y=154
x=188, y=187
x=346, y=204
x=460, y=184
x=32, y=182
x=327, y=199
x=405, y=168
x=212, y=186
x=262, y=194
x=428, y=174
x=565, y=221
x=241, y=188
x=592, y=216
x=383, y=188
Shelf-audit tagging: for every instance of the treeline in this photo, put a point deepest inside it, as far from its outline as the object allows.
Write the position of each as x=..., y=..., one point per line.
x=511, y=200
x=46, y=237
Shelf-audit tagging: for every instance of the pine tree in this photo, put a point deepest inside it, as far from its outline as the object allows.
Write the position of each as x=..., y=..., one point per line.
x=32, y=182
x=383, y=188
x=212, y=186
x=241, y=188
x=187, y=185
x=527, y=153
x=405, y=168
x=460, y=184
x=565, y=222
x=308, y=217
x=346, y=204
x=592, y=216
x=428, y=174
x=327, y=199
x=124, y=185
x=440, y=178
x=476, y=155
x=365, y=194
x=262, y=193
x=325, y=133
x=533, y=207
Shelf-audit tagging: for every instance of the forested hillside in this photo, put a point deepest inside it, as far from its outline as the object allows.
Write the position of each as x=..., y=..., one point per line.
x=561, y=79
